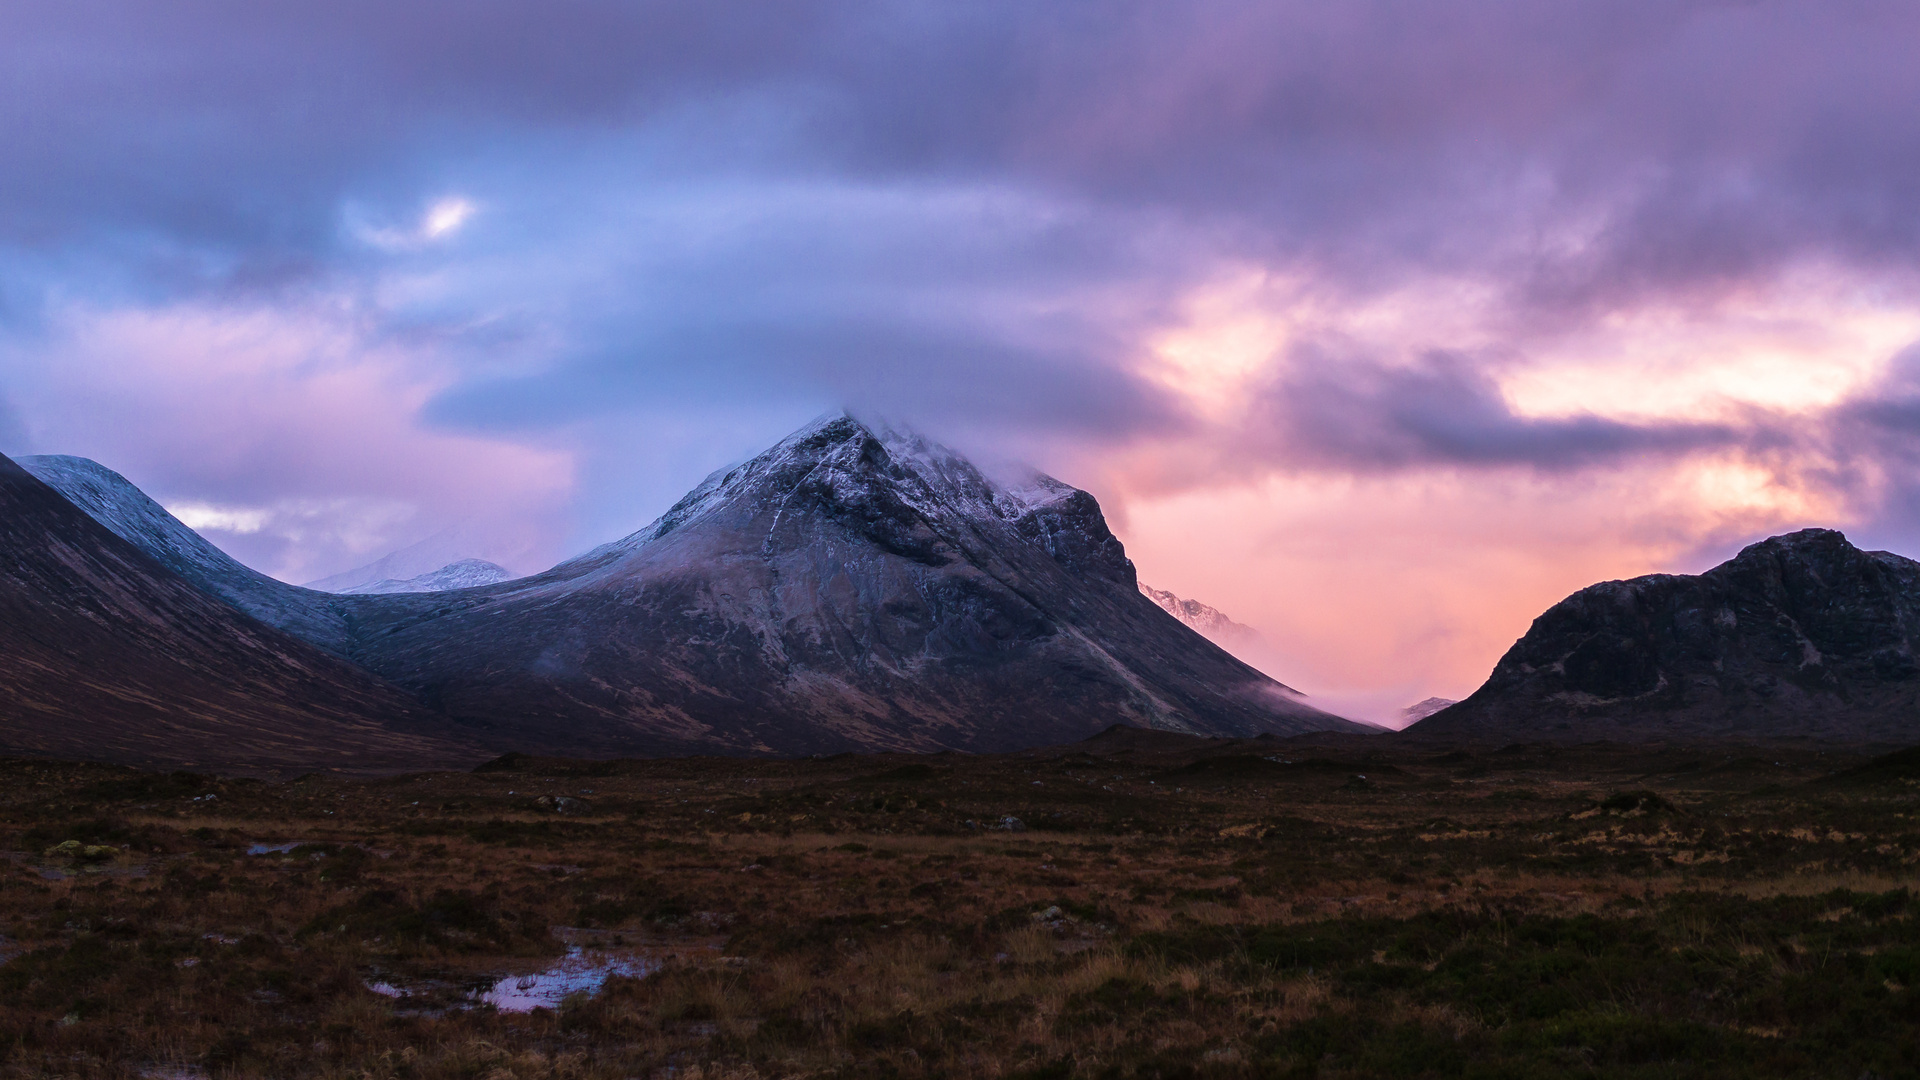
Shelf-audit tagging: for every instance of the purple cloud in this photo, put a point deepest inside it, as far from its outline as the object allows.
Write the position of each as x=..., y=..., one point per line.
x=977, y=217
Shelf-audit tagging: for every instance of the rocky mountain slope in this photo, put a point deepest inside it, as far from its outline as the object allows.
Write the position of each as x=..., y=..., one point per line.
x=1799, y=635
x=105, y=654
x=1209, y=621
x=465, y=574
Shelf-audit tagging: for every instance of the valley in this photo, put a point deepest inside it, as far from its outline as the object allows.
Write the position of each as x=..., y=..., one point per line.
x=1138, y=904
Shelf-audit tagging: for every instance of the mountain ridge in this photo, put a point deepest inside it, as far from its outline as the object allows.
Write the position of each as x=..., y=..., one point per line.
x=129, y=513
x=107, y=654
x=1801, y=634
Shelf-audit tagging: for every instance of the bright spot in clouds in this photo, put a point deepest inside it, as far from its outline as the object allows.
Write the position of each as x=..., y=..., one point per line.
x=200, y=517
x=440, y=221
x=445, y=217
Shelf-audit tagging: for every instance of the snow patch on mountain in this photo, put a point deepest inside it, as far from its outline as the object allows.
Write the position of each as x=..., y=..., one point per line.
x=1209, y=621
x=464, y=574
x=1420, y=710
x=935, y=481
x=468, y=540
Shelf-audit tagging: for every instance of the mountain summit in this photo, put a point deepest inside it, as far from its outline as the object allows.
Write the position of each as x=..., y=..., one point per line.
x=1798, y=635
x=848, y=588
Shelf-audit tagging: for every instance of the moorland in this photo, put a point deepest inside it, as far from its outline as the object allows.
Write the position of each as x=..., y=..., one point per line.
x=1139, y=905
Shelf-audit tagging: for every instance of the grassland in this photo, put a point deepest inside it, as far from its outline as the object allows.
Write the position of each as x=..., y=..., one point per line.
x=1138, y=906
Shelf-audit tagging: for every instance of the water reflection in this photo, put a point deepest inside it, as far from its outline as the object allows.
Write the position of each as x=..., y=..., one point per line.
x=589, y=962
x=580, y=971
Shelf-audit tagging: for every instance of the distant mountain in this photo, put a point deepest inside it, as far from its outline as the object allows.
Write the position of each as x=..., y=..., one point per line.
x=846, y=589
x=1798, y=635
x=1420, y=710
x=465, y=574
x=460, y=543
x=106, y=654
x=1207, y=620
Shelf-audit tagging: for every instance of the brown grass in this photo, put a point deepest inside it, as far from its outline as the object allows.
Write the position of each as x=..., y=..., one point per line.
x=843, y=918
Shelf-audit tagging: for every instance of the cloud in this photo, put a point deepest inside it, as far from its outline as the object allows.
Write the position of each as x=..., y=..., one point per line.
x=368, y=270
x=203, y=517
x=290, y=434
x=14, y=439
x=441, y=220
x=1444, y=410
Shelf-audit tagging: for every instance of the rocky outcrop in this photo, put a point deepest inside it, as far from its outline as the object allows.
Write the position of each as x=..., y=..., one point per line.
x=1799, y=635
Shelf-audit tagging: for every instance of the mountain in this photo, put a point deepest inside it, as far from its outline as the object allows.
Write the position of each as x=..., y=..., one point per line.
x=1210, y=622
x=126, y=511
x=465, y=574
x=846, y=589
x=467, y=540
x=1798, y=635
x=105, y=654
x=1424, y=708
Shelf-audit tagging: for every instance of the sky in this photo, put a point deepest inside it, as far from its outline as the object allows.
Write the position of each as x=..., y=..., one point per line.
x=1379, y=325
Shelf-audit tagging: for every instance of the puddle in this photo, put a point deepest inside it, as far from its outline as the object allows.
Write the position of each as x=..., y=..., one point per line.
x=585, y=968
x=579, y=971
x=172, y=1072
x=263, y=848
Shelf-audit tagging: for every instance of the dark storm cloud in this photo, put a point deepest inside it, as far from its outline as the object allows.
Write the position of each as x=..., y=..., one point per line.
x=1707, y=137
x=893, y=367
x=1874, y=442
x=1444, y=411
x=245, y=123
x=1580, y=157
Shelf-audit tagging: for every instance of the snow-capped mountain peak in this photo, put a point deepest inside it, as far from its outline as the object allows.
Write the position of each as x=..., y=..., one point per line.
x=857, y=467
x=1209, y=621
x=464, y=574
x=1422, y=709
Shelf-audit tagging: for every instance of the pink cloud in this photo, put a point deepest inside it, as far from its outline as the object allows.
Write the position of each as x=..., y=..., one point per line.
x=291, y=432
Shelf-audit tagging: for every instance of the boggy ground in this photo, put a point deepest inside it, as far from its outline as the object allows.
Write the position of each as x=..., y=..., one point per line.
x=1141, y=905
